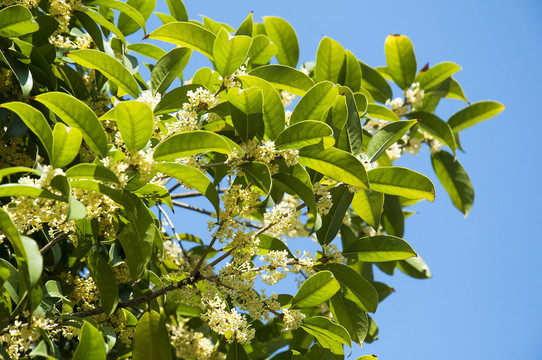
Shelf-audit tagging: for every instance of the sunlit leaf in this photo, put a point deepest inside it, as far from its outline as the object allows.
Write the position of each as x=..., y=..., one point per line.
x=401, y=60
x=151, y=338
x=283, y=35
x=379, y=248
x=395, y=180
x=316, y=289
x=284, y=77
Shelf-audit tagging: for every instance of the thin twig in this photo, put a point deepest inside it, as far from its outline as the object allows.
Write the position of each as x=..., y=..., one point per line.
x=192, y=194
x=191, y=207
x=53, y=242
x=170, y=223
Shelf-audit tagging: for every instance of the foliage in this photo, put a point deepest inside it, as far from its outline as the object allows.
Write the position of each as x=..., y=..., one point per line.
x=91, y=265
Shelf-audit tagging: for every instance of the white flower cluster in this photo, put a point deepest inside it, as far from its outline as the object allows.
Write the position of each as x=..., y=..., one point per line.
x=305, y=262
x=414, y=96
x=373, y=125
x=398, y=106
x=332, y=254
x=434, y=144
x=324, y=203
x=276, y=260
x=282, y=219
x=30, y=4
x=266, y=153
x=292, y=319
x=231, y=324
x=286, y=98
x=187, y=117
x=394, y=152
x=149, y=98
x=19, y=337
x=230, y=81
x=412, y=145
x=85, y=293
x=190, y=344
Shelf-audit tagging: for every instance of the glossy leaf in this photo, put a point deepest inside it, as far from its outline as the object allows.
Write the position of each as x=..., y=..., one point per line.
x=378, y=111
x=104, y=23
x=375, y=83
x=108, y=66
x=305, y=133
x=400, y=60
x=473, y=114
x=192, y=177
x=246, y=27
x=35, y=121
x=236, y=352
x=315, y=290
x=368, y=205
x=349, y=315
x=16, y=20
x=186, y=34
x=246, y=108
x=395, y=180
x=387, y=136
x=151, y=338
x=315, y=103
x=353, y=124
x=135, y=122
x=104, y=277
x=169, y=67
x=7, y=190
x=415, y=267
x=437, y=74
x=273, y=110
x=93, y=172
x=17, y=169
x=91, y=344
x=330, y=58
x=77, y=114
x=191, y=143
x=336, y=164
x=127, y=24
x=282, y=34
x=359, y=289
x=259, y=173
x=262, y=50
x=284, y=77
x=21, y=72
x=125, y=9
x=329, y=334
x=174, y=99
x=230, y=53
x=66, y=145
x=331, y=222
x=379, y=248
x=437, y=127
x=454, y=179
x=148, y=50
x=353, y=73
x=177, y=10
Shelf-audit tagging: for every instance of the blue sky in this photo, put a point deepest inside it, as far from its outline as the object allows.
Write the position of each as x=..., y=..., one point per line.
x=483, y=301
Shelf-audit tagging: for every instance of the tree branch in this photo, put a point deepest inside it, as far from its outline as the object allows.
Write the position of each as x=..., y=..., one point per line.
x=53, y=242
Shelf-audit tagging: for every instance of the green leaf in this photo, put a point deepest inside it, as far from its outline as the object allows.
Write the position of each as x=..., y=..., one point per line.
x=305, y=133
x=315, y=290
x=145, y=7
x=92, y=172
x=437, y=74
x=387, y=136
x=151, y=338
x=135, y=122
x=259, y=173
x=353, y=124
x=125, y=9
x=378, y=111
x=22, y=73
x=76, y=210
x=454, y=179
x=192, y=177
x=315, y=102
x=169, y=67
x=91, y=344
x=177, y=10
x=330, y=58
x=164, y=18
x=236, y=352
x=174, y=99
x=148, y=50
x=104, y=23
x=108, y=66
x=35, y=121
x=415, y=267
x=368, y=357
x=283, y=35
x=77, y=114
x=349, y=315
x=192, y=143
x=273, y=110
x=353, y=73
x=297, y=183
x=368, y=205
x=379, y=248
x=395, y=180
x=18, y=169
x=246, y=27
x=336, y=164
x=329, y=334
x=401, y=60
x=7, y=190
x=284, y=77
x=437, y=127
x=262, y=50
x=473, y=114
x=187, y=34
x=331, y=222
x=66, y=144
x=359, y=289
x=246, y=108
x=230, y=53
x=268, y=243
x=16, y=20
x=104, y=277
x=375, y=83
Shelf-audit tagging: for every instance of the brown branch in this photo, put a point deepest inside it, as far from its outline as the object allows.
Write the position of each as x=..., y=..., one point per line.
x=191, y=207
x=192, y=194
x=53, y=242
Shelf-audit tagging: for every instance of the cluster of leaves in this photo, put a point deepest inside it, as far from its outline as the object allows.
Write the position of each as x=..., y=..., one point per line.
x=52, y=118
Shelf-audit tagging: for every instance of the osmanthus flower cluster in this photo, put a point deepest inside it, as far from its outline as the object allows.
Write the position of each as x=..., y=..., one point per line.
x=94, y=264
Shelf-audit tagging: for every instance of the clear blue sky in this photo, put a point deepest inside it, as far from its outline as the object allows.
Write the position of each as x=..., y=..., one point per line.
x=484, y=300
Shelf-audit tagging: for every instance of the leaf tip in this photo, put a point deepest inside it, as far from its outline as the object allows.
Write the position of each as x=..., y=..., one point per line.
x=425, y=68
x=146, y=37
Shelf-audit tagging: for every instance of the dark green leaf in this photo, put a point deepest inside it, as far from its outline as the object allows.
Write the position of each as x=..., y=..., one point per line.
x=415, y=267
x=258, y=173
x=174, y=99
x=329, y=334
x=151, y=338
x=91, y=344
x=368, y=205
x=387, y=136
x=437, y=127
x=104, y=277
x=331, y=222
x=236, y=352
x=375, y=83
x=127, y=24
x=16, y=20
x=349, y=315
x=169, y=67
x=316, y=289
x=192, y=143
